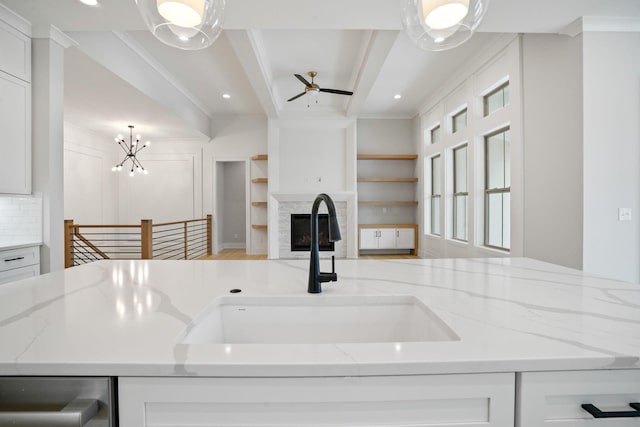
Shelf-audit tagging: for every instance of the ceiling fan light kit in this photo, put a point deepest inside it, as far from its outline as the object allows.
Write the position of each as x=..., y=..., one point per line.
x=312, y=89
x=437, y=25
x=185, y=24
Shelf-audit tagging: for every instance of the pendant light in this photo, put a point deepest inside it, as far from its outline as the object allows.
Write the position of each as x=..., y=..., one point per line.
x=185, y=24
x=441, y=24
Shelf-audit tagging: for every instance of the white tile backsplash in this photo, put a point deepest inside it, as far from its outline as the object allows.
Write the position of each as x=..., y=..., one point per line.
x=20, y=220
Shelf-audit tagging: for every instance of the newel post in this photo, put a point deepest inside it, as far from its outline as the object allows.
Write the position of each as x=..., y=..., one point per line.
x=146, y=238
x=209, y=234
x=68, y=243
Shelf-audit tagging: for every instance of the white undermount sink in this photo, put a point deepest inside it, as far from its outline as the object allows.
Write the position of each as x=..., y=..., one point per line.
x=314, y=319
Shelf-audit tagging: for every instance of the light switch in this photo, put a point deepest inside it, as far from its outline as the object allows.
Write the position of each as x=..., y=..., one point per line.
x=624, y=214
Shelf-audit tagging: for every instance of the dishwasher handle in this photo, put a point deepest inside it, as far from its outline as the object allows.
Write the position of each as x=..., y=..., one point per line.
x=76, y=414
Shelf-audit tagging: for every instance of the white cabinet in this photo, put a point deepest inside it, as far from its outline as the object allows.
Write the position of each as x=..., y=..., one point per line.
x=20, y=263
x=556, y=398
x=392, y=237
x=15, y=122
x=470, y=400
x=15, y=111
x=15, y=56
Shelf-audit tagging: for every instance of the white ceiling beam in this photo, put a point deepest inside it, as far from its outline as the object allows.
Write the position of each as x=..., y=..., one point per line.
x=250, y=52
x=376, y=54
x=117, y=53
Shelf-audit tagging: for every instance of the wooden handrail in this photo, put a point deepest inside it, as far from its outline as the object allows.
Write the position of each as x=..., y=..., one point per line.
x=122, y=245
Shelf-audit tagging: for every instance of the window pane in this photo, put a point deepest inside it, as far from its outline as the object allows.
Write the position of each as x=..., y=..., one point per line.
x=460, y=121
x=496, y=99
x=507, y=158
x=435, y=216
x=495, y=161
x=506, y=221
x=495, y=209
x=435, y=175
x=460, y=218
x=460, y=169
x=435, y=134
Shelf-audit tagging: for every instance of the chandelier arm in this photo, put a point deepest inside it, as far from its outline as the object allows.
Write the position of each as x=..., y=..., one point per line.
x=137, y=162
x=138, y=149
x=121, y=144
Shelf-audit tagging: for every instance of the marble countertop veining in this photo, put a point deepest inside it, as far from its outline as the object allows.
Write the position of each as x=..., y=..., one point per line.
x=122, y=318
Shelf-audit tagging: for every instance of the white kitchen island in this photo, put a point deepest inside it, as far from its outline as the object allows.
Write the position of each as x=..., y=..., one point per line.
x=535, y=341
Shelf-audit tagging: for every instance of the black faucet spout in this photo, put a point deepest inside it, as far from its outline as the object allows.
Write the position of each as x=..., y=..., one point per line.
x=316, y=277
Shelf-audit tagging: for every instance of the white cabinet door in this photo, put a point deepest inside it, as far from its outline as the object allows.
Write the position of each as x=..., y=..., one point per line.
x=405, y=238
x=15, y=56
x=469, y=400
x=556, y=398
x=368, y=238
x=15, y=123
x=387, y=238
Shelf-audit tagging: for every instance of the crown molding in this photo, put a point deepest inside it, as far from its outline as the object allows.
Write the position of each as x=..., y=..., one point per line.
x=601, y=24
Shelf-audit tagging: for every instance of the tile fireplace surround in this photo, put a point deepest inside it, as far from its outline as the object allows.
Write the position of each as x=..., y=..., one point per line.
x=302, y=204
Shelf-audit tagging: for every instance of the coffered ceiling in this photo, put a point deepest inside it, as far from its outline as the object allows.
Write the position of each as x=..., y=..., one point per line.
x=354, y=45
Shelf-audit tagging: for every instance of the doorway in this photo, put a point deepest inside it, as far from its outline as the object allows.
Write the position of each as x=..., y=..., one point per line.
x=230, y=205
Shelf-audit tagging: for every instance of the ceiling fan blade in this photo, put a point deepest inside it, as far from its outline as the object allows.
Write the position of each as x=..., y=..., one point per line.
x=303, y=80
x=336, y=91
x=296, y=97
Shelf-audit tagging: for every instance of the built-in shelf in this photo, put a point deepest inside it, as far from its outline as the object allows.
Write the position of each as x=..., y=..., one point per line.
x=261, y=203
x=388, y=203
x=259, y=180
x=387, y=156
x=387, y=179
x=259, y=226
x=260, y=157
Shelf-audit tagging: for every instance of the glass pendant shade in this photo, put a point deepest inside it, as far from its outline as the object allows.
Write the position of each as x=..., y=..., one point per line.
x=185, y=24
x=441, y=24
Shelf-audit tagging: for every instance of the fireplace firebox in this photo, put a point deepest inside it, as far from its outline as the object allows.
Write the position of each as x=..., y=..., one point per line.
x=301, y=233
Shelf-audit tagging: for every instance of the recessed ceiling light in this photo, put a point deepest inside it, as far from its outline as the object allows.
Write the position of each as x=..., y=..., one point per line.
x=226, y=96
x=90, y=2
x=397, y=96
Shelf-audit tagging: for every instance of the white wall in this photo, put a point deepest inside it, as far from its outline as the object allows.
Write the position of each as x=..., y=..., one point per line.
x=172, y=191
x=90, y=187
x=553, y=134
x=312, y=161
x=611, y=154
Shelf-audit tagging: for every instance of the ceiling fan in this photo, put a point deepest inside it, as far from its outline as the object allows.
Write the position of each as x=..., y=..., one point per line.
x=313, y=89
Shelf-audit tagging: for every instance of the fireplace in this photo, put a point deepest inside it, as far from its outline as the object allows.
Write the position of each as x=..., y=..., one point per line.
x=301, y=233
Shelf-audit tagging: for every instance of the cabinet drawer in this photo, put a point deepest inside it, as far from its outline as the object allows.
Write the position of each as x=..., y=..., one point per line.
x=422, y=400
x=19, y=273
x=555, y=398
x=15, y=58
x=21, y=257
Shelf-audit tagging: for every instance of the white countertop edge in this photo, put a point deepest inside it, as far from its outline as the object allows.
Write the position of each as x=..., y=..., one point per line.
x=8, y=246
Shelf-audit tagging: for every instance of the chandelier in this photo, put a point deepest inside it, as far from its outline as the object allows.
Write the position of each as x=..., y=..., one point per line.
x=442, y=24
x=131, y=151
x=185, y=24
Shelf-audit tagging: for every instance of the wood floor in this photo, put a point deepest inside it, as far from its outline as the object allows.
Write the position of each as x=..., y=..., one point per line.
x=241, y=254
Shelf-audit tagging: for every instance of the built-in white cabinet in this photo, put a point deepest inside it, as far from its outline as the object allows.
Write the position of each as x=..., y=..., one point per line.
x=393, y=236
x=16, y=52
x=15, y=111
x=557, y=398
x=469, y=400
x=19, y=263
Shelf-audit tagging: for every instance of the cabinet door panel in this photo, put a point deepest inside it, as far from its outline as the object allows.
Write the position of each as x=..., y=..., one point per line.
x=422, y=400
x=555, y=398
x=405, y=238
x=368, y=238
x=387, y=239
x=15, y=122
x=15, y=58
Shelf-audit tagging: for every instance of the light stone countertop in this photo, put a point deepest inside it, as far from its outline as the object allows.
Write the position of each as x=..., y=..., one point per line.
x=122, y=318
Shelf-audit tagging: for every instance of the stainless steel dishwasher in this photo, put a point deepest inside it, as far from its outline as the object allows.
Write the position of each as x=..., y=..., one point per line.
x=58, y=402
